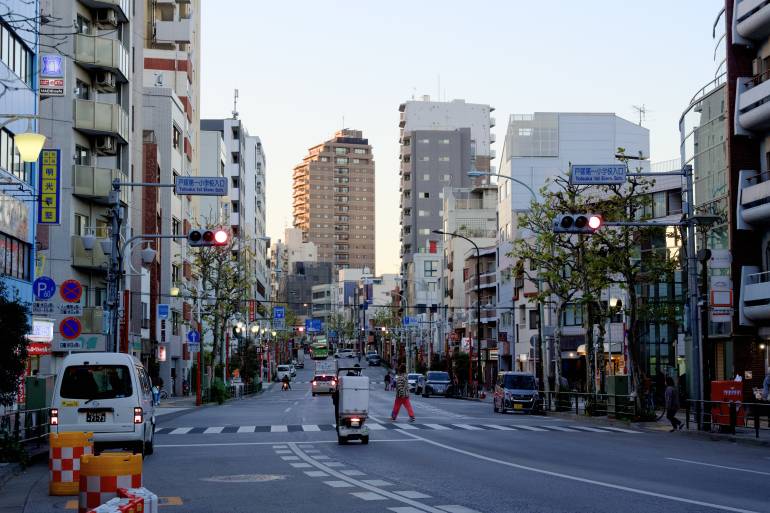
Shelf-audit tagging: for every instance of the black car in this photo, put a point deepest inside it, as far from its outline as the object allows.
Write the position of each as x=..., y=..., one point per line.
x=437, y=382
x=374, y=360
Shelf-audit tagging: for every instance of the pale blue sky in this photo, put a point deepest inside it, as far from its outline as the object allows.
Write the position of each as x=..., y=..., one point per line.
x=301, y=66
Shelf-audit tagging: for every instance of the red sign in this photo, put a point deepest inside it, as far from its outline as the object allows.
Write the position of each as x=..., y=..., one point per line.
x=727, y=392
x=70, y=328
x=252, y=310
x=38, y=348
x=71, y=291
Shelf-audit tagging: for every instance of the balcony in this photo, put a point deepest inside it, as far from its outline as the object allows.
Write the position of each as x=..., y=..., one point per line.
x=752, y=110
x=96, y=52
x=92, y=319
x=753, y=199
x=235, y=219
x=755, y=296
x=178, y=31
x=492, y=122
x=88, y=258
x=95, y=183
x=492, y=138
x=402, y=120
x=488, y=315
x=487, y=280
x=122, y=8
x=101, y=118
x=752, y=18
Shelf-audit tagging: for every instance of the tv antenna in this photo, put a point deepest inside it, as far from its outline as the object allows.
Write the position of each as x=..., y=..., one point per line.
x=642, y=111
x=235, y=104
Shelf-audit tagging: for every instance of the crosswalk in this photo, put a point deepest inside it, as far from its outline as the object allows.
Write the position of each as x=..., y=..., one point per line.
x=375, y=426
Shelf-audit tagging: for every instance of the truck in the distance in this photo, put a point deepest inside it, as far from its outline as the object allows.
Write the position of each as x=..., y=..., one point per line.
x=324, y=377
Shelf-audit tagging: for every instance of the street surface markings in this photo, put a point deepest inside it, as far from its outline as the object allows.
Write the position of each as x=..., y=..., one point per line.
x=310, y=427
x=338, y=484
x=373, y=426
x=499, y=427
x=280, y=447
x=180, y=431
x=406, y=426
x=313, y=451
x=279, y=429
x=334, y=464
x=737, y=469
x=457, y=509
x=376, y=482
x=245, y=478
x=621, y=430
x=569, y=477
x=211, y=430
x=321, y=457
x=236, y=444
x=562, y=428
x=162, y=501
x=289, y=458
x=533, y=428
x=587, y=428
x=407, y=509
x=283, y=451
x=468, y=427
x=438, y=427
x=411, y=494
x=246, y=429
x=300, y=465
x=369, y=496
x=316, y=473
x=350, y=472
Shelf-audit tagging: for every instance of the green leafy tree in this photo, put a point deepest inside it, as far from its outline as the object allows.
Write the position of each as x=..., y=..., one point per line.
x=14, y=325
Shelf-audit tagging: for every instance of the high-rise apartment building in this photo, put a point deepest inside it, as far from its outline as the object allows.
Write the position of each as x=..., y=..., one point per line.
x=97, y=127
x=334, y=200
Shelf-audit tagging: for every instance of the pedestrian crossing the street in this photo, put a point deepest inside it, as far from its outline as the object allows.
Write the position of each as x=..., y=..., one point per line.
x=375, y=426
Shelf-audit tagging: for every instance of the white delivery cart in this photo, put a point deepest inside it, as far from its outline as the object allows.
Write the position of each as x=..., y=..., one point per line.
x=353, y=406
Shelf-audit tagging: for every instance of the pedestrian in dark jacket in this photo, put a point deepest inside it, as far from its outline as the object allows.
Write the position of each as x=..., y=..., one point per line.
x=672, y=404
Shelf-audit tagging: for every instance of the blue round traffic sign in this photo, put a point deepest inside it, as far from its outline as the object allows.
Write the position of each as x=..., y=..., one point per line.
x=70, y=328
x=193, y=336
x=43, y=288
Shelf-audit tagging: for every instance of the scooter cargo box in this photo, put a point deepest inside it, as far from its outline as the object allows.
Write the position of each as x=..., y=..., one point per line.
x=354, y=395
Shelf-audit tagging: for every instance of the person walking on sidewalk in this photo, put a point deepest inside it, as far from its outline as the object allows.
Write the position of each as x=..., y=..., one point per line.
x=387, y=381
x=672, y=404
x=402, y=395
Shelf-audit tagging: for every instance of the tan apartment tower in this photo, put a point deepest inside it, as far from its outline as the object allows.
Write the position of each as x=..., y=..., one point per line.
x=334, y=200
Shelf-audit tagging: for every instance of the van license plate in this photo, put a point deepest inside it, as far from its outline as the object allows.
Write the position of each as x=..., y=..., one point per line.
x=517, y=406
x=96, y=416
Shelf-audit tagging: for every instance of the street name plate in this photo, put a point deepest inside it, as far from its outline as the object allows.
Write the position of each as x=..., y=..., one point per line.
x=200, y=186
x=598, y=174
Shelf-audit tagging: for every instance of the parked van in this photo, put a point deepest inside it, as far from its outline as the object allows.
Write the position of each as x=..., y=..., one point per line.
x=109, y=394
x=516, y=391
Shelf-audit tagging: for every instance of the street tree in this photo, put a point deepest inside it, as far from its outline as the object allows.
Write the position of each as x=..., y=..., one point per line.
x=14, y=325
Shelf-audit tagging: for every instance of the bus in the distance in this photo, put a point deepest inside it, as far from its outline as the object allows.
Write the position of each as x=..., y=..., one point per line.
x=319, y=350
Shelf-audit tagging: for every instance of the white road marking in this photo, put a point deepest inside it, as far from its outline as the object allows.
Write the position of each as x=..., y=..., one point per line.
x=289, y=458
x=375, y=427
x=376, y=482
x=181, y=431
x=558, y=428
x=369, y=496
x=310, y=427
x=621, y=430
x=236, y=444
x=454, y=508
x=737, y=469
x=287, y=410
x=280, y=447
x=533, y=428
x=602, y=484
x=405, y=509
x=316, y=473
x=283, y=451
x=338, y=484
x=587, y=428
x=406, y=427
x=498, y=426
x=411, y=494
x=438, y=427
x=246, y=429
x=301, y=465
x=351, y=472
x=280, y=428
x=217, y=429
x=468, y=427
x=321, y=457
x=333, y=464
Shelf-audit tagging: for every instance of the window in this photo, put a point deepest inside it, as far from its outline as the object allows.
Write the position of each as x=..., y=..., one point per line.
x=431, y=268
x=81, y=225
x=14, y=257
x=533, y=314
x=10, y=160
x=426, y=177
x=82, y=90
x=175, y=322
x=443, y=141
x=236, y=182
x=340, y=150
x=424, y=195
x=177, y=136
x=423, y=141
x=96, y=382
x=341, y=160
x=235, y=157
x=236, y=132
x=82, y=155
x=525, y=132
x=359, y=151
x=447, y=178
x=175, y=274
x=573, y=315
x=175, y=226
x=424, y=231
x=425, y=158
x=15, y=55
x=341, y=170
x=423, y=213
x=443, y=159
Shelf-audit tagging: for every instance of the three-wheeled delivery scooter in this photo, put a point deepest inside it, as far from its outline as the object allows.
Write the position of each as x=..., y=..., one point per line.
x=353, y=405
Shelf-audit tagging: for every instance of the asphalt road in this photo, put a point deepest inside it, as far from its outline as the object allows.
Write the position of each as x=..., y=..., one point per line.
x=278, y=453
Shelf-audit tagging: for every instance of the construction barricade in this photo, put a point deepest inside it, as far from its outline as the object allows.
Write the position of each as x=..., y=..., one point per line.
x=64, y=455
x=101, y=476
x=149, y=498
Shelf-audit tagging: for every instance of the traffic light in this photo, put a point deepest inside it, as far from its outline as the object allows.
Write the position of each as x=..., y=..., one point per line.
x=577, y=223
x=205, y=238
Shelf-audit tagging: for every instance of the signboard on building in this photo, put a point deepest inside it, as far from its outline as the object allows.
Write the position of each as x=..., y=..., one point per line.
x=42, y=331
x=51, y=81
x=162, y=328
x=313, y=325
x=598, y=174
x=14, y=218
x=86, y=342
x=49, y=187
x=200, y=186
x=279, y=318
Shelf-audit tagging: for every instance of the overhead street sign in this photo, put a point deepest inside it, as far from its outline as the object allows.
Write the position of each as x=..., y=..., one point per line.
x=598, y=174
x=279, y=312
x=200, y=186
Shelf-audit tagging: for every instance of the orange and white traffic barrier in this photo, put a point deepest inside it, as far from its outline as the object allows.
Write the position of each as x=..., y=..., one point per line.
x=101, y=476
x=149, y=498
x=120, y=505
x=64, y=454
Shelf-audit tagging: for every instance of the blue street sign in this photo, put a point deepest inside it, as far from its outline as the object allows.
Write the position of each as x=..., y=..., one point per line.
x=162, y=311
x=193, y=337
x=44, y=288
x=313, y=325
x=279, y=312
x=410, y=320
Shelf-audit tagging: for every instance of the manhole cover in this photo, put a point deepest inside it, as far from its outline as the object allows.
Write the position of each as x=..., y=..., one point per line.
x=244, y=478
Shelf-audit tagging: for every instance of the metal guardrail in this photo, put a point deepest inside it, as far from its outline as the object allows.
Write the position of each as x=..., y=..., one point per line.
x=25, y=426
x=582, y=403
x=728, y=416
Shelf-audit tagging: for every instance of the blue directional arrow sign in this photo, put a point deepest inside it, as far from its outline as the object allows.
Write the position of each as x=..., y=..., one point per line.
x=193, y=337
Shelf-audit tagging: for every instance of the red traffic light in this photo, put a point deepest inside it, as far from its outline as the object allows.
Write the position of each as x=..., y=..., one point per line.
x=220, y=237
x=595, y=222
x=205, y=238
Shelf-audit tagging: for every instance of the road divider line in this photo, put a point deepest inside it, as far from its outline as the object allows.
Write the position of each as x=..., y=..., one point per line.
x=246, y=429
x=215, y=429
x=279, y=428
x=181, y=431
x=438, y=427
x=468, y=427
x=499, y=427
x=533, y=428
x=310, y=427
x=560, y=428
x=568, y=477
x=244, y=444
x=588, y=428
x=704, y=464
x=622, y=430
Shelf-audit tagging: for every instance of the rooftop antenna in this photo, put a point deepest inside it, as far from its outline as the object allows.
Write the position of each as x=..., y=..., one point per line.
x=642, y=111
x=235, y=104
x=343, y=121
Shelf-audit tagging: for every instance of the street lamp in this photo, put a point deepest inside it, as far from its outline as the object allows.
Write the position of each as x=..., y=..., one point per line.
x=29, y=143
x=478, y=304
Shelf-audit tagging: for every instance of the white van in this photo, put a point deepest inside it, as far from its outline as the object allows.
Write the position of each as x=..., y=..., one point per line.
x=283, y=370
x=109, y=394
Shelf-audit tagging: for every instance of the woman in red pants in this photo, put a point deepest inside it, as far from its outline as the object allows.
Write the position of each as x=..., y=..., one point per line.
x=402, y=395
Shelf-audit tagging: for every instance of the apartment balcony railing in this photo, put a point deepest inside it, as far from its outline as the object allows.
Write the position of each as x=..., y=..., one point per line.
x=94, y=259
x=755, y=295
x=101, y=118
x=92, y=319
x=95, y=183
x=122, y=8
x=753, y=102
x=753, y=199
x=488, y=315
x=752, y=18
x=178, y=31
x=102, y=53
x=487, y=280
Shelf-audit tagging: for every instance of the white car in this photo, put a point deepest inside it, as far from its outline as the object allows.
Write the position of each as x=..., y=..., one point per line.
x=108, y=394
x=283, y=370
x=344, y=353
x=293, y=371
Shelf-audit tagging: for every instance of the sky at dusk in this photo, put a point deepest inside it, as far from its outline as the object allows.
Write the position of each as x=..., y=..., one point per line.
x=302, y=67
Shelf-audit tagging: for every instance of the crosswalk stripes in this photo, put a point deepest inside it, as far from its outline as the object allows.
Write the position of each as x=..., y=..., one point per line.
x=376, y=426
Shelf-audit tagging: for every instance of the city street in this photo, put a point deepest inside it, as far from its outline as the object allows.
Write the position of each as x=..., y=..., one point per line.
x=278, y=452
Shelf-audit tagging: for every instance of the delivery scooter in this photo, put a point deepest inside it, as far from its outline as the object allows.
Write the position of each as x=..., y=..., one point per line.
x=353, y=405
